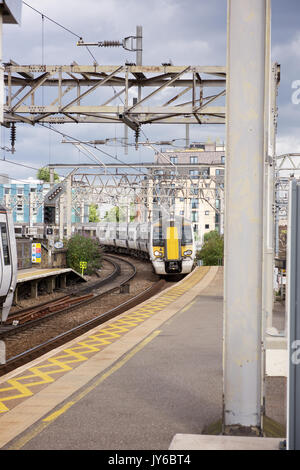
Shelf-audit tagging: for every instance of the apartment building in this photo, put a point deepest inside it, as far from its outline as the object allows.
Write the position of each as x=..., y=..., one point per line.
x=191, y=183
x=26, y=200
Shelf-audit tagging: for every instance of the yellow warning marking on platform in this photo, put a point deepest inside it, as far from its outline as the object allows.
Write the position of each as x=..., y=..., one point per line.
x=187, y=307
x=53, y=416
x=23, y=386
x=56, y=414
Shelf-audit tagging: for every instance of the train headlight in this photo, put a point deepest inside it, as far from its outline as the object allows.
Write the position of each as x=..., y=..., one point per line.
x=187, y=252
x=158, y=253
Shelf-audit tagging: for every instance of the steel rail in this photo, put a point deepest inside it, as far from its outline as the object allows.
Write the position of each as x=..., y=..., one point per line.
x=35, y=352
x=117, y=272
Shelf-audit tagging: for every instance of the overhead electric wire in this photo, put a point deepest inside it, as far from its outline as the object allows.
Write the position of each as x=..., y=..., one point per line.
x=63, y=134
x=25, y=166
x=53, y=21
x=61, y=26
x=55, y=130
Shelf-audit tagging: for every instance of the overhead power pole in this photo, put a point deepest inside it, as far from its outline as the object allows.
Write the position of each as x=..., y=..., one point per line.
x=244, y=183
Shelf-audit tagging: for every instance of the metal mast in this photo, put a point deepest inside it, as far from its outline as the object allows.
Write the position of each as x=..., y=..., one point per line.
x=246, y=55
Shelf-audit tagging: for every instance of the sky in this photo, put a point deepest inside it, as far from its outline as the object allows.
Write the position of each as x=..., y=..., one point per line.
x=187, y=32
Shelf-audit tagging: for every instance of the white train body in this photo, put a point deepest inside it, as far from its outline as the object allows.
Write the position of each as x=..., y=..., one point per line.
x=168, y=243
x=8, y=262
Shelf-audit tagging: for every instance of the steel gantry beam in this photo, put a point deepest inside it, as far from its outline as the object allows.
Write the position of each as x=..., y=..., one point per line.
x=142, y=183
x=73, y=90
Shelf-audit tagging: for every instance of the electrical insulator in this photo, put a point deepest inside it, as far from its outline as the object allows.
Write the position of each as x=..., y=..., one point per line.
x=110, y=44
x=137, y=134
x=13, y=136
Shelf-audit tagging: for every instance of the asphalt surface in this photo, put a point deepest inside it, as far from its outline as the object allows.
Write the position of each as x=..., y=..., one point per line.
x=172, y=385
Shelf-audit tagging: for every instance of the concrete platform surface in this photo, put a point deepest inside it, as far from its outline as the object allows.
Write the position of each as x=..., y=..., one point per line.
x=31, y=274
x=204, y=442
x=134, y=382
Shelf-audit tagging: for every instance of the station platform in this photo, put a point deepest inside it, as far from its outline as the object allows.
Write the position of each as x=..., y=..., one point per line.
x=34, y=273
x=30, y=281
x=134, y=382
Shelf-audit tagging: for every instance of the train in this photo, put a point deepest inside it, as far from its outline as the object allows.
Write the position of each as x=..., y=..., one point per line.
x=8, y=262
x=168, y=242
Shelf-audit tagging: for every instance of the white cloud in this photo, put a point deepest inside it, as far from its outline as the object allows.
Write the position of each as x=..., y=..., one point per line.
x=191, y=32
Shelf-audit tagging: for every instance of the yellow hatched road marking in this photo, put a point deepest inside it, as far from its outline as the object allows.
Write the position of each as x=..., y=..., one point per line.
x=22, y=386
x=53, y=416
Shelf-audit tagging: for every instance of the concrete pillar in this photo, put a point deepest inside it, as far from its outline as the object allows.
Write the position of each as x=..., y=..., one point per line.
x=61, y=217
x=50, y=285
x=16, y=295
x=69, y=206
x=270, y=200
x=34, y=289
x=245, y=126
x=63, y=281
x=51, y=177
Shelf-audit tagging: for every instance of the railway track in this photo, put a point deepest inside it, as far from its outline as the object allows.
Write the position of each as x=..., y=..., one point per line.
x=53, y=330
x=26, y=318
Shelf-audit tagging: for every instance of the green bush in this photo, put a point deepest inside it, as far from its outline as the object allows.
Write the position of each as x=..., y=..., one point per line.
x=212, y=251
x=79, y=249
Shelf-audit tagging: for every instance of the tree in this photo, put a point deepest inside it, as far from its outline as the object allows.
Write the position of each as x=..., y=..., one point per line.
x=93, y=213
x=43, y=174
x=81, y=248
x=116, y=214
x=212, y=251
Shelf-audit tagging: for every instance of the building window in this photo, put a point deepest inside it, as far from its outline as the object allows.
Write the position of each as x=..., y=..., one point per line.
x=194, y=216
x=19, y=204
x=223, y=159
x=194, y=203
x=206, y=226
x=206, y=212
x=181, y=212
x=195, y=228
x=174, y=160
x=193, y=160
x=194, y=190
x=205, y=172
x=6, y=191
x=194, y=173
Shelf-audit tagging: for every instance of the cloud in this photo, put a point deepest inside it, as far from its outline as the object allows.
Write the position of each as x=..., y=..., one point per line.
x=189, y=32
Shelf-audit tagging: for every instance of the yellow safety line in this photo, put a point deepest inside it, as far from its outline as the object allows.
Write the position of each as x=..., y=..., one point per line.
x=53, y=416
x=28, y=382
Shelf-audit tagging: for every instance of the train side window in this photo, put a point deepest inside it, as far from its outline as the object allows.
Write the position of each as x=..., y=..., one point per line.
x=5, y=246
x=186, y=236
x=157, y=239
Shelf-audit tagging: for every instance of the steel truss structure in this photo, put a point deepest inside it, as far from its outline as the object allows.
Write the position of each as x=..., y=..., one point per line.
x=287, y=169
x=87, y=94
x=143, y=185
